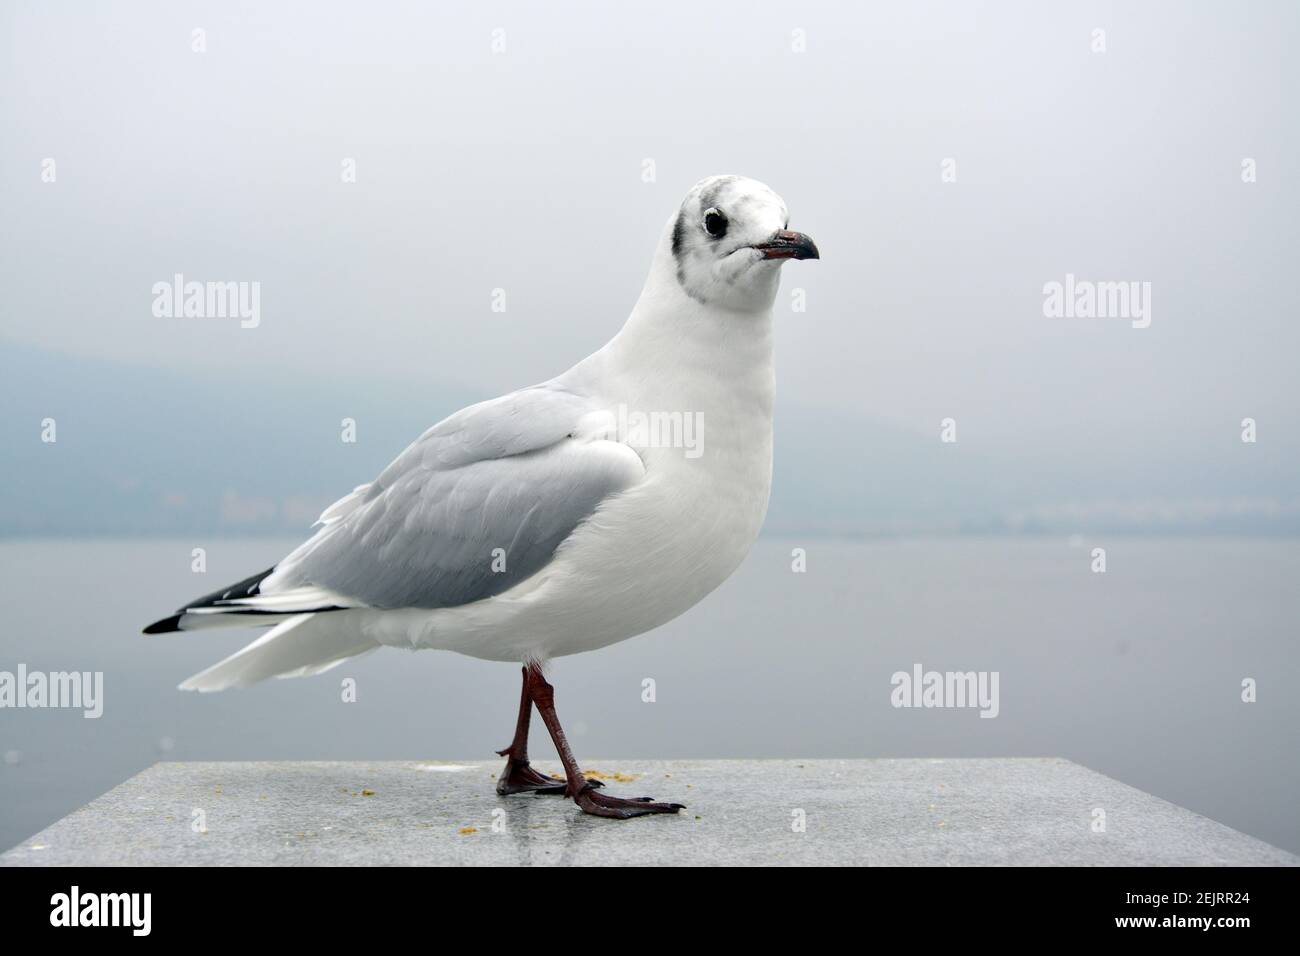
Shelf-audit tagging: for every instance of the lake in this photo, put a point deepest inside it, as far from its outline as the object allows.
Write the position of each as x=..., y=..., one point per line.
x=1136, y=672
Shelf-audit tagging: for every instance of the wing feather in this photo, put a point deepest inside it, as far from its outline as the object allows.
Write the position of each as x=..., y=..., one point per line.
x=478, y=503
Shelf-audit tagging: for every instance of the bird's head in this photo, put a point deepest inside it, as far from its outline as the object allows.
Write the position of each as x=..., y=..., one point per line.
x=729, y=240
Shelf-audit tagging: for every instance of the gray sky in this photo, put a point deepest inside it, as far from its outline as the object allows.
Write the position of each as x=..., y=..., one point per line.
x=522, y=170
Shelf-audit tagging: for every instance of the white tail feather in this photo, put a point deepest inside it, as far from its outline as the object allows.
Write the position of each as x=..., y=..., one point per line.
x=296, y=647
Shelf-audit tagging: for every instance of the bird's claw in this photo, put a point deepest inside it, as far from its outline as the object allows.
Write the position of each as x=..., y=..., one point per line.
x=619, y=808
x=520, y=777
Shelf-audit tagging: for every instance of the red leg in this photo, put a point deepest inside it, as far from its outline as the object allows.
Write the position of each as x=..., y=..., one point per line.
x=582, y=790
x=518, y=776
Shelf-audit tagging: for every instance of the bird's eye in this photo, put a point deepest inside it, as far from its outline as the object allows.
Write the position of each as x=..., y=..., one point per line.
x=715, y=223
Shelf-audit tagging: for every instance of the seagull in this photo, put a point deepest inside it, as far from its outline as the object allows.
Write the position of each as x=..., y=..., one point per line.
x=562, y=517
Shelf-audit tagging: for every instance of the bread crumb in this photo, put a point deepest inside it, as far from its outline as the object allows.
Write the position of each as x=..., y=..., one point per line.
x=616, y=776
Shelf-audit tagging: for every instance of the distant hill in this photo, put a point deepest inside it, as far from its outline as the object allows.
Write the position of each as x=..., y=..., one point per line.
x=142, y=451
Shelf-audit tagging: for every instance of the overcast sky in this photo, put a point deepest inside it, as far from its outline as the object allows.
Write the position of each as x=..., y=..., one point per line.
x=523, y=169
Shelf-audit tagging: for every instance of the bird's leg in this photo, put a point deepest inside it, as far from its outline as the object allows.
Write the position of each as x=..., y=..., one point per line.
x=582, y=790
x=518, y=775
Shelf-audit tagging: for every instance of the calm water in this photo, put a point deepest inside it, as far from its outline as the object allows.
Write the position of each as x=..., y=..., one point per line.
x=1136, y=672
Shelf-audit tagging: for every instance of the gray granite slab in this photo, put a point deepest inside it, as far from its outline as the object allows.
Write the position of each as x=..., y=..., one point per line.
x=1030, y=811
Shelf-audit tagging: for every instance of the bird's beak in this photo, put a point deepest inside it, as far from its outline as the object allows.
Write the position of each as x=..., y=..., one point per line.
x=789, y=245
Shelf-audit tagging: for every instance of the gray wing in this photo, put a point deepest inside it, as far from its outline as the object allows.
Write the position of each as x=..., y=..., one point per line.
x=514, y=474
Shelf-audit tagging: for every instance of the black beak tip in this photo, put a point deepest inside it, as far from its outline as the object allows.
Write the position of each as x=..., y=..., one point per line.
x=790, y=245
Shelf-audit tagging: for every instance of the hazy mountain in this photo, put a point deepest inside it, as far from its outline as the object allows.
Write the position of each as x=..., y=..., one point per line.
x=142, y=451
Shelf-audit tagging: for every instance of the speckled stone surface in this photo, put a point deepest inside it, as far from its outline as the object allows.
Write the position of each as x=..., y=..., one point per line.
x=923, y=812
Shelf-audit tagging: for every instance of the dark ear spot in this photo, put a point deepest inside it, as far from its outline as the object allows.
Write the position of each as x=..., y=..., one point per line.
x=679, y=235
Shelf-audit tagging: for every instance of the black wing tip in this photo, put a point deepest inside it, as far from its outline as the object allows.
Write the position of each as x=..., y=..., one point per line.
x=249, y=587
x=166, y=626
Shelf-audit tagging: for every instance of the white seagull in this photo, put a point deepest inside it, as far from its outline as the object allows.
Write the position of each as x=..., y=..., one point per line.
x=559, y=518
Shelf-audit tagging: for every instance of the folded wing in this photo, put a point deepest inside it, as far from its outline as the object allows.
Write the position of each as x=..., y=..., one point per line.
x=477, y=504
